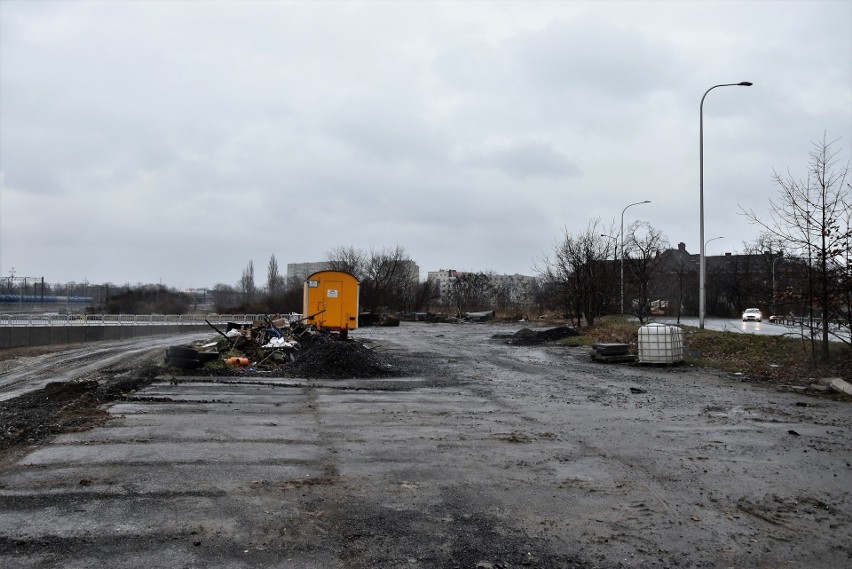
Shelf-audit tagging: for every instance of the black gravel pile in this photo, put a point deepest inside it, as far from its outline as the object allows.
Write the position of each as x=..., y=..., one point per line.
x=327, y=357
x=528, y=337
x=65, y=406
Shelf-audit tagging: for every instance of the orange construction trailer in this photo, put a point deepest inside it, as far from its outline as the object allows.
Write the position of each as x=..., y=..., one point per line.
x=331, y=301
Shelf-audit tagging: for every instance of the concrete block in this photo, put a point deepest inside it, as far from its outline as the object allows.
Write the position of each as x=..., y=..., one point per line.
x=840, y=386
x=76, y=334
x=59, y=334
x=113, y=332
x=94, y=333
x=19, y=337
x=39, y=336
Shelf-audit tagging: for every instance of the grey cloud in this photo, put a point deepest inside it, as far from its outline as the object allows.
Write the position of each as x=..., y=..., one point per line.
x=530, y=159
x=431, y=125
x=593, y=54
x=588, y=54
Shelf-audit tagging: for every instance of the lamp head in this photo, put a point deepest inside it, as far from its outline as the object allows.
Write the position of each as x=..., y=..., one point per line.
x=746, y=83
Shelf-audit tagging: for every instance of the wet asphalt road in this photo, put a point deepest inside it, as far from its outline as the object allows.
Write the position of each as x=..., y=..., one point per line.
x=493, y=456
x=764, y=328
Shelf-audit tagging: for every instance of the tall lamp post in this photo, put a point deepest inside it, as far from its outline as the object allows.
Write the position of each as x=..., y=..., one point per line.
x=709, y=240
x=706, y=243
x=614, y=239
x=615, y=248
x=773, y=281
x=622, y=251
x=701, y=265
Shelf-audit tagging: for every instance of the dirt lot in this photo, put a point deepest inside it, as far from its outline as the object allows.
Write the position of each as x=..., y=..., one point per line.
x=464, y=452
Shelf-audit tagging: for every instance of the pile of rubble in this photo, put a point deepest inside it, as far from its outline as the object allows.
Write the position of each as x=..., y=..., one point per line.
x=528, y=337
x=278, y=346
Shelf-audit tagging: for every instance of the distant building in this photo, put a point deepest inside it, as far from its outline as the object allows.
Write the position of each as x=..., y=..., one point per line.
x=299, y=272
x=517, y=290
x=443, y=280
x=733, y=282
x=411, y=271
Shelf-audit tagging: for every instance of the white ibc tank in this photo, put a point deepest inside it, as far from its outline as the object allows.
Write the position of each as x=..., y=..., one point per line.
x=660, y=344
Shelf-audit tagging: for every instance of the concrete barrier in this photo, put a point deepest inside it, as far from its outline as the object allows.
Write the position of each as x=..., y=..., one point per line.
x=5, y=337
x=19, y=337
x=39, y=336
x=58, y=334
x=94, y=333
x=113, y=332
x=76, y=335
x=26, y=336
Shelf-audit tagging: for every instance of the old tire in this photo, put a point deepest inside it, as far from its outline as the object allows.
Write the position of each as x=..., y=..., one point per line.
x=183, y=363
x=182, y=352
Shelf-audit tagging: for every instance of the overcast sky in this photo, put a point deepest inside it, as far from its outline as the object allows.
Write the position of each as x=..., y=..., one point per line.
x=154, y=141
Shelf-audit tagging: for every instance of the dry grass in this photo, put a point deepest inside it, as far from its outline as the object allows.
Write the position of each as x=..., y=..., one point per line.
x=766, y=358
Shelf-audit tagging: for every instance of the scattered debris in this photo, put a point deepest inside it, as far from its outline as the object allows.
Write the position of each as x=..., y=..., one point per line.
x=184, y=357
x=528, y=337
x=282, y=347
x=389, y=321
x=840, y=386
x=612, y=353
x=479, y=316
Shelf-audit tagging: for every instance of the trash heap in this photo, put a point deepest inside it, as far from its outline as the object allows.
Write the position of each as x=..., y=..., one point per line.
x=528, y=337
x=274, y=345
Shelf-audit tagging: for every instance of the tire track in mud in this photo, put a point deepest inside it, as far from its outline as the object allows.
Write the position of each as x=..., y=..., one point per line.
x=26, y=374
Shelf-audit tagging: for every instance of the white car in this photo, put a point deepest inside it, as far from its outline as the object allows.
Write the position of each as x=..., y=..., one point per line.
x=752, y=314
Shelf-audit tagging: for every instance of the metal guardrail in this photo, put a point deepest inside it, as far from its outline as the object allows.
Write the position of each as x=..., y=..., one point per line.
x=127, y=319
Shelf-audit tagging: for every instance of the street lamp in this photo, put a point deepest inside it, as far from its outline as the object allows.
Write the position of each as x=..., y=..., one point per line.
x=701, y=267
x=616, y=244
x=773, y=280
x=709, y=240
x=622, y=251
x=614, y=239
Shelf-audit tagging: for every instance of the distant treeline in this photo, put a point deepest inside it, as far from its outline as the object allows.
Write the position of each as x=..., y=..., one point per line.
x=51, y=299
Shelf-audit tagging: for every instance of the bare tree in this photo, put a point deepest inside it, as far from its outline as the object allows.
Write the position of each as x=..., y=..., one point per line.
x=812, y=217
x=274, y=280
x=579, y=277
x=771, y=264
x=387, y=277
x=348, y=260
x=423, y=294
x=224, y=297
x=647, y=267
x=246, y=283
x=471, y=291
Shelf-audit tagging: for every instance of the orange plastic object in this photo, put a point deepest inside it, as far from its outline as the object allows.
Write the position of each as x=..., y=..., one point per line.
x=241, y=362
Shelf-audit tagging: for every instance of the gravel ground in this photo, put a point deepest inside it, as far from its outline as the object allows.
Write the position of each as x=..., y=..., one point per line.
x=67, y=406
x=465, y=451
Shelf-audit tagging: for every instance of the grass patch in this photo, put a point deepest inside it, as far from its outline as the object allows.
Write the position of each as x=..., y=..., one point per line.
x=608, y=330
x=769, y=358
